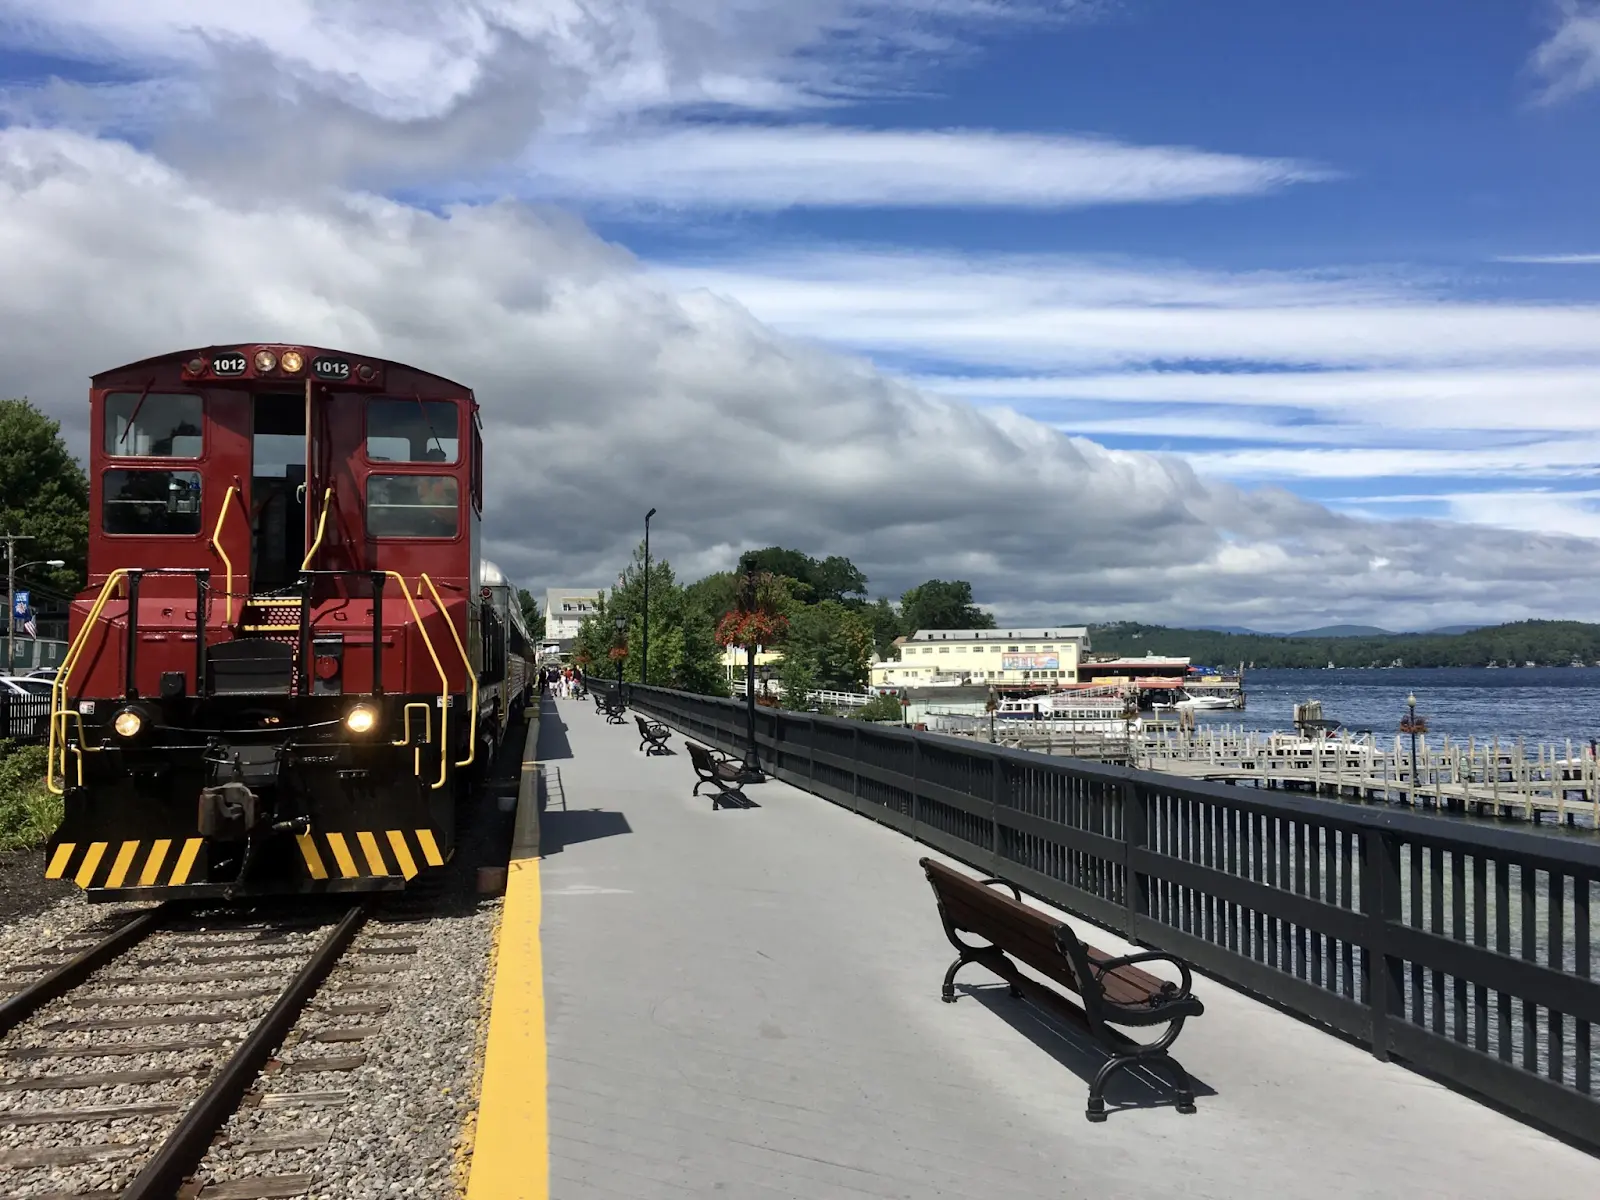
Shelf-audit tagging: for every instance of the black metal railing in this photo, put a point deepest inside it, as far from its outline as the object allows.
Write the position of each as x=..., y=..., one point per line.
x=23, y=718
x=1464, y=949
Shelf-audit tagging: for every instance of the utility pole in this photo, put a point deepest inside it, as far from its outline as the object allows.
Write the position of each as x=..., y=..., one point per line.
x=11, y=595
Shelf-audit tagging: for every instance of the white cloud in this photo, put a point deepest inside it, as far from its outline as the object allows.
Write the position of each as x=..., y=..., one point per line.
x=1569, y=60
x=413, y=91
x=1555, y=260
x=768, y=167
x=605, y=394
x=1071, y=314
x=1479, y=399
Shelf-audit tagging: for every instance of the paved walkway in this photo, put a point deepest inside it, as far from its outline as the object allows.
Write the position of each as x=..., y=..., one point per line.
x=745, y=1003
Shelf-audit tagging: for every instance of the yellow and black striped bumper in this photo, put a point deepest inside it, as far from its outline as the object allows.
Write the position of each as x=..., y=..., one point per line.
x=372, y=853
x=343, y=860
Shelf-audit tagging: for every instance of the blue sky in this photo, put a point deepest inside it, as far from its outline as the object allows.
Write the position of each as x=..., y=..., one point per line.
x=1333, y=249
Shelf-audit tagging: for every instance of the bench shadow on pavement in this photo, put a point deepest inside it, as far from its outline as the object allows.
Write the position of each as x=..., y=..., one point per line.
x=1074, y=1049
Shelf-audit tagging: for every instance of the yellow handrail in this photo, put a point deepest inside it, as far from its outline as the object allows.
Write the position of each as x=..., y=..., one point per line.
x=472, y=729
x=444, y=680
x=322, y=525
x=216, y=544
x=58, y=686
x=405, y=734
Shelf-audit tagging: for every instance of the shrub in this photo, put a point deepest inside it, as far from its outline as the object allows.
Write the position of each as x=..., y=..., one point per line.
x=29, y=812
x=880, y=708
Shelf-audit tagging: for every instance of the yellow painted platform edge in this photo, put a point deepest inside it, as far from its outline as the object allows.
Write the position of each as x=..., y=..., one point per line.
x=511, y=1150
x=510, y=1129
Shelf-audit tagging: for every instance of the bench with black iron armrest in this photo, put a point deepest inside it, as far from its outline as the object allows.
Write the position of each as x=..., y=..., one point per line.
x=652, y=736
x=1111, y=990
x=598, y=695
x=613, y=707
x=722, y=771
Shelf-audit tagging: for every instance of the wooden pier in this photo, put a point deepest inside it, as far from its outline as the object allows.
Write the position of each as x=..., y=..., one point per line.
x=1485, y=778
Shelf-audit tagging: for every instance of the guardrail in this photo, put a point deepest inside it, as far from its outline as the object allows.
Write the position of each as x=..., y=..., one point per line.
x=1466, y=950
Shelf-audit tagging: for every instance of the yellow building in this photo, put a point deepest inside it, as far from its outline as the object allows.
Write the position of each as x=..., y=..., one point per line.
x=733, y=665
x=934, y=657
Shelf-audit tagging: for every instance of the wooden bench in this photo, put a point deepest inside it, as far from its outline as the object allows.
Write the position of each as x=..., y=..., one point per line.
x=1110, y=990
x=652, y=736
x=722, y=771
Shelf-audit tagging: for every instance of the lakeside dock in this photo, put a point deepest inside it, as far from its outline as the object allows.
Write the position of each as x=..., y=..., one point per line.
x=1539, y=783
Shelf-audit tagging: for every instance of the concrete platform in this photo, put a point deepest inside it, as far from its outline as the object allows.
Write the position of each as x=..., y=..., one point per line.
x=745, y=1003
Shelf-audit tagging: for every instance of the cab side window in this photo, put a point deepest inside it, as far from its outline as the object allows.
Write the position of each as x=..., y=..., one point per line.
x=150, y=502
x=412, y=430
x=153, y=425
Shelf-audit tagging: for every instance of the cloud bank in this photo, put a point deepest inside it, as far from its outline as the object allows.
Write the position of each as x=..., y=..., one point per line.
x=606, y=393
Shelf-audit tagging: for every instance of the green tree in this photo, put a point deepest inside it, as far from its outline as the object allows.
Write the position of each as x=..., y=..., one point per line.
x=715, y=596
x=832, y=643
x=833, y=578
x=880, y=708
x=886, y=626
x=942, y=604
x=43, y=495
x=530, y=611
x=682, y=652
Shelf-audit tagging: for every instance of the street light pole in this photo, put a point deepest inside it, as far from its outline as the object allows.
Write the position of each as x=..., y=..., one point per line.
x=644, y=641
x=620, y=623
x=1411, y=723
x=11, y=595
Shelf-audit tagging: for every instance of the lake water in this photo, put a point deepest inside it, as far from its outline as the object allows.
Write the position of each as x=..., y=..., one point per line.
x=1539, y=704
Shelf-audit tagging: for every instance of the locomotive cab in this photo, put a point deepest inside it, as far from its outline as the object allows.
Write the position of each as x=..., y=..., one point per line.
x=274, y=680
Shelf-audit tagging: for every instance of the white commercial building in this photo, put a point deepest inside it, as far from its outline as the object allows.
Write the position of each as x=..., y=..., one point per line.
x=564, y=611
x=1046, y=656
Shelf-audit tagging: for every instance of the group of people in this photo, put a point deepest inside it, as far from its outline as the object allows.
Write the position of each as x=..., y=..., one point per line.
x=561, y=682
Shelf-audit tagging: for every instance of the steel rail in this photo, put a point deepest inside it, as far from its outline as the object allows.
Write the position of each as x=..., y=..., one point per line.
x=74, y=971
x=187, y=1144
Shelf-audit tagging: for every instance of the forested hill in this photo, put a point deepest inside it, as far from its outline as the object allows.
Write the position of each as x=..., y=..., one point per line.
x=1546, y=643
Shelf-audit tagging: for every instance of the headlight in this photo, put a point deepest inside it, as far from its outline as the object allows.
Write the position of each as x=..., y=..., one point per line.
x=361, y=718
x=292, y=361
x=127, y=723
x=266, y=360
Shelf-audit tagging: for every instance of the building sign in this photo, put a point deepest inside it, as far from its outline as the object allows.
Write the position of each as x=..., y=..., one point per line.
x=1030, y=662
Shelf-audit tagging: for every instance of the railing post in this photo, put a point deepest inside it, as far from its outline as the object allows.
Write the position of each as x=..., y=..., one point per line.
x=916, y=789
x=811, y=750
x=1382, y=975
x=855, y=770
x=999, y=796
x=1135, y=837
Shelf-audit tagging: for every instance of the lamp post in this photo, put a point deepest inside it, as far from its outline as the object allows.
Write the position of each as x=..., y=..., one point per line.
x=1410, y=725
x=12, y=568
x=621, y=623
x=644, y=640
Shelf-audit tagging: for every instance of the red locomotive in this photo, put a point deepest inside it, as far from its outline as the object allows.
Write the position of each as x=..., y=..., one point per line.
x=288, y=663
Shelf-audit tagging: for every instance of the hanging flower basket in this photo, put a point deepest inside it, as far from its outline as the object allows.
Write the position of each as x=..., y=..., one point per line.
x=751, y=628
x=617, y=653
x=1410, y=724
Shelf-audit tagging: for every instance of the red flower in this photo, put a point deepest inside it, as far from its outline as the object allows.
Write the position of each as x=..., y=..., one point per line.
x=751, y=628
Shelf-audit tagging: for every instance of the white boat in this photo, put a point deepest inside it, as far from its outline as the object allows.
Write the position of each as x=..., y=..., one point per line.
x=1195, y=703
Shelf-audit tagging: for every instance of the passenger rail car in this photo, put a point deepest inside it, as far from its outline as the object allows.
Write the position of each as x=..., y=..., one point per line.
x=289, y=662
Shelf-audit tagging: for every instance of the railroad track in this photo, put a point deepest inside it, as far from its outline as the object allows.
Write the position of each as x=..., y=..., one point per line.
x=156, y=1034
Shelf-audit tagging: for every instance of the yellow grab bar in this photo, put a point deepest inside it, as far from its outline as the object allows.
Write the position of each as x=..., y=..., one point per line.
x=444, y=680
x=472, y=730
x=322, y=526
x=216, y=544
x=58, y=686
x=427, y=732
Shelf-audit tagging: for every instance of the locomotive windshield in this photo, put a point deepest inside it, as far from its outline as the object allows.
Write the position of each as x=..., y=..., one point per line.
x=153, y=425
x=412, y=430
x=151, y=502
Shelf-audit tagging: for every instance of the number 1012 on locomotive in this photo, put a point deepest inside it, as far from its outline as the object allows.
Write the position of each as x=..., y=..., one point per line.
x=291, y=659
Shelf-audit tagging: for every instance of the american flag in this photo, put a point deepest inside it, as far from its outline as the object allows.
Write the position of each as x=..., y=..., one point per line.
x=30, y=626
